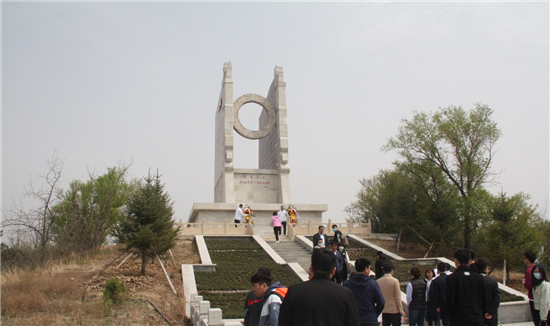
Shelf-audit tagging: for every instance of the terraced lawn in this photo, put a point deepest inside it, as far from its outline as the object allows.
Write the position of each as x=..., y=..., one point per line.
x=236, y=259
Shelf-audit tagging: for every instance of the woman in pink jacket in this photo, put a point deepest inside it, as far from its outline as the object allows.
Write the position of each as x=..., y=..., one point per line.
x=276, y=225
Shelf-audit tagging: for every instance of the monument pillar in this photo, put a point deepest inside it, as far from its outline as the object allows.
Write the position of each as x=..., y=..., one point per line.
x=266, y=188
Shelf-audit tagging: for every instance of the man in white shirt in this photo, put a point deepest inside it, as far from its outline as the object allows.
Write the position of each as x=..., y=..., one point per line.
x=239, y=214
x=283, y=215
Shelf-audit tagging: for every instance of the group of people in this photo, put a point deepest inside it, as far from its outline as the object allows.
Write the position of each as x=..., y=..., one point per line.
x=467, y=296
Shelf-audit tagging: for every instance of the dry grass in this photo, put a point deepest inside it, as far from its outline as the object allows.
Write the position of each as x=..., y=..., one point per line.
x=56, y=294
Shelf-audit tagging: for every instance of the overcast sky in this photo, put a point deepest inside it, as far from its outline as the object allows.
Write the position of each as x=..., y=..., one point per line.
x=103, y=83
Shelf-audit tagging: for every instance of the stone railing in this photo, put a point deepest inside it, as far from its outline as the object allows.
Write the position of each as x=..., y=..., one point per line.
x=206, y=228
x=311, y=228
x=202, y=315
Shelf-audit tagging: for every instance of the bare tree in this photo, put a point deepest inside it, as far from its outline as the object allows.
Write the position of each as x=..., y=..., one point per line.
x=35, y=224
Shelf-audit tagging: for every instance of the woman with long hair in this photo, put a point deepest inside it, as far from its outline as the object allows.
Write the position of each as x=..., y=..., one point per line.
x=541, y=296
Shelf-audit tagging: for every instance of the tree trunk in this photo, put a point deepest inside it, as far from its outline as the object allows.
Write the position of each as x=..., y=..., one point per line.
x=143, y=262
x=467, y=234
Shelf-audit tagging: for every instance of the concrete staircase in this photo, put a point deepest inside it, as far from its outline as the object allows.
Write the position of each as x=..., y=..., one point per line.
x=290, y=251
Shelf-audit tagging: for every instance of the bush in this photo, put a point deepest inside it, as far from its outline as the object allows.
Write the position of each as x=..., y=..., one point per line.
x=115, y=292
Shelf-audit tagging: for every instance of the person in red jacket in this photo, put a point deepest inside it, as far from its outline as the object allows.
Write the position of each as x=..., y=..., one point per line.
x=529, y=259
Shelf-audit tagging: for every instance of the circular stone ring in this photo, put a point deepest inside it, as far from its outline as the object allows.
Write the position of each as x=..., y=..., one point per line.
x=262, y=101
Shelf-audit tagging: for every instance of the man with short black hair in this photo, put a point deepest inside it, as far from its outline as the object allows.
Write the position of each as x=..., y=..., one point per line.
x=367, y=293
x=253, y=304
x=492, y=291
x=380, y=261
x=320, y=240
x=437, y=301
x=319, y=302
x=272, y=294
x=466, y=296
x=391, y=291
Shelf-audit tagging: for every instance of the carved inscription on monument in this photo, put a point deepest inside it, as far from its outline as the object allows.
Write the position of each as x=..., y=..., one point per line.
x=256, y=188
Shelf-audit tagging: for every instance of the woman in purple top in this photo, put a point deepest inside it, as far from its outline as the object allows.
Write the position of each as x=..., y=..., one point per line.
x=276, y=225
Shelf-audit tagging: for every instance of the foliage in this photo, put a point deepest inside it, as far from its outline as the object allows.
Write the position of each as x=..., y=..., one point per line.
x=89, y=210
x=414, y=200
x=514, y=227
x=457, y=142
x=148, y=225
x=114, y=292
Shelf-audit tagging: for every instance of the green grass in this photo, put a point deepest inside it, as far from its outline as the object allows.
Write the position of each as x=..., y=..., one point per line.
x=507, y=297
x=236, y=259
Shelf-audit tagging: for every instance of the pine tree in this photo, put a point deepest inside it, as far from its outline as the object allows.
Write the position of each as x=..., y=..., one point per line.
x=148, y=225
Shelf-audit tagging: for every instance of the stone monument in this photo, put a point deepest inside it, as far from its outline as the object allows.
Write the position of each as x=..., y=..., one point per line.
x=264, y=189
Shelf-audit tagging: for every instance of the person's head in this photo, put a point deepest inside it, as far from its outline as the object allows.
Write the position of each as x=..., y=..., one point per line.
x=482, y=266
x=388, y=268
x=462, y=256
x=334, y=227
x=472, y=257
x=323, y=262
x=275, y=214
x=362, y=265
x=241, y=205
x=447, y=267
x=321, y=229
x=429, y=273
x=334, y=246
x=441, y=267
x=415, y=272
x=539, y=275
x=379, y=255
x=261, y=281
x=282, y=208
x=340, y=247
x=529, y=258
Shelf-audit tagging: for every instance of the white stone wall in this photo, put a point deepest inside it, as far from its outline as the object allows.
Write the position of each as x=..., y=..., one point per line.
x=256, y=186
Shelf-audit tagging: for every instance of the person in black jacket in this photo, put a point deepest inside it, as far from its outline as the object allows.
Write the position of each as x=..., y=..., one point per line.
x=319, y=302
x=320, y=240
x=493, y=293
x=437, y=300
x=466, y=296
x=381, y=259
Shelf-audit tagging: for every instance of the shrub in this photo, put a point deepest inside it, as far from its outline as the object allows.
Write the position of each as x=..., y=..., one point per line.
x=115, y=292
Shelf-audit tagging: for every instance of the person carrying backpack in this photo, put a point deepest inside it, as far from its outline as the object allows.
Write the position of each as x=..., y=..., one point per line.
x=273, y=295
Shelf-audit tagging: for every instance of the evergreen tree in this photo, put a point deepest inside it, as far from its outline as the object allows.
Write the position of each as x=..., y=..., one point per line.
x=148, y=225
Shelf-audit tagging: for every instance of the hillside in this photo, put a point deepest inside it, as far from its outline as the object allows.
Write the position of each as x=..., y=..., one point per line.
x=57, y=295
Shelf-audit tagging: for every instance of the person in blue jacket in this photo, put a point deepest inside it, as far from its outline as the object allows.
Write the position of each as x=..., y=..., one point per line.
x=367, y=293
x=273, y=295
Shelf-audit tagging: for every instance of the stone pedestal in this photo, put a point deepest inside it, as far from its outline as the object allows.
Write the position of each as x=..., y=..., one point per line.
x=220, y=212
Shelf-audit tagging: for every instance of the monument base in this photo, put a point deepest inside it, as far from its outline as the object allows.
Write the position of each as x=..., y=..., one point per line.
x=222, y=212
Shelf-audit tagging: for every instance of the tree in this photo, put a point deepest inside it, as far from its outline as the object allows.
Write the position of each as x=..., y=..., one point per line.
x=88, y=211
x=420, y=206
x=514, y=227
x=459, y=143
x=34, y=225
x=148, y=225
